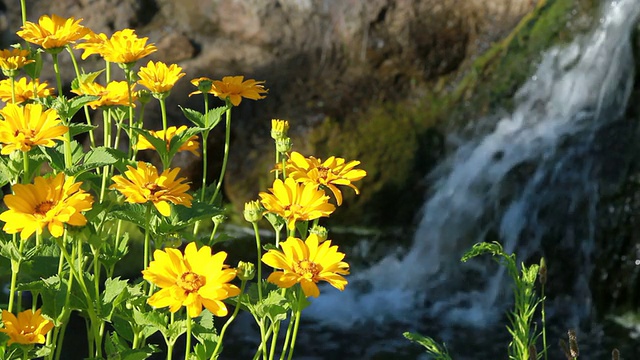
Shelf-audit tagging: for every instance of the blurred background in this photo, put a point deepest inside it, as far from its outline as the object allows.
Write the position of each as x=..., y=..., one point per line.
x=503, y=120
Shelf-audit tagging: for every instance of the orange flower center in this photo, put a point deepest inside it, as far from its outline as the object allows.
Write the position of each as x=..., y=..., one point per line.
x=191, y=282
x=153, y=187
x=43, y=208
x=323, y=171
x=307, y=269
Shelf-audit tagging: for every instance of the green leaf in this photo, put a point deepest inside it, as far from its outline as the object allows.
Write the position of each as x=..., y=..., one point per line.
x=55, y=156
x=159, y=144
x=77, y=129
x=10, y=251
x=95, y=158
x=182, y=216
x=196, y=117
x=180, y=138
x=432, y=347
x=113, y=288
x=214, y=116
x=133, y=213
x=85, y=78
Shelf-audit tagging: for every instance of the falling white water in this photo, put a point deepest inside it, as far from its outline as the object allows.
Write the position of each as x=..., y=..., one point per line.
x=533, y=176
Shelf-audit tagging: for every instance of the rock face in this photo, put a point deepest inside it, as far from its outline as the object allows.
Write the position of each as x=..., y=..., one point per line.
x=329, y=59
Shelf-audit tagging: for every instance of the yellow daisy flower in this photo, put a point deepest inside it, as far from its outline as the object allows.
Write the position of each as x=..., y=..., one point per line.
x=234, y=88
x=92, y=45
x=48, y=202
x=116, y=93
x=294, y=201
x=333, y=171
x=158, y=77
x=190, y=145
x=193, y=280
x=53, y=31
x=14, y=59
x=125, y=47
x=27, y=126
x=144, y=184
x=24, y=89
x=27, y=328
x=307, y=262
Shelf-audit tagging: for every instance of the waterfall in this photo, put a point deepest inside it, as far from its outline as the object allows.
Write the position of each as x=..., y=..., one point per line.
x=529, y=181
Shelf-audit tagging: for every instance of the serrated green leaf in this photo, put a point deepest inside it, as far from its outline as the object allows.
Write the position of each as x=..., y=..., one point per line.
x=10, y=251
x=113, y=288
x=182, y=216
x=77, y=129
x=95, y=158
x=196, y=117
x=133, y=213
x=85, y=78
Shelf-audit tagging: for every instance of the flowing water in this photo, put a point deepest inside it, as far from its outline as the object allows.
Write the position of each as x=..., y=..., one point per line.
x=531, y=182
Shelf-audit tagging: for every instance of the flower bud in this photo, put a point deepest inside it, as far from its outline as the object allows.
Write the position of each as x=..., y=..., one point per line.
x=173, y=241
x=283, y=145
x=279, y=129
x=218, y=219
x=204, y=85
x=542, y=272
x=253, y=211
x=144, y=96
x=320, y=231
x=246, y=271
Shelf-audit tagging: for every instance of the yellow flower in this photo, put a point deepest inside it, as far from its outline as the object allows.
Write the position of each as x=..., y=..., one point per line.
x=279, y=128
x=190, y=145
x=294, y=201
x=124, y=47
x=307, y=263
x=29, y=126
x=24, y=90
x=14, y=59
x=93, y=44
x=158, y=77
x=116, y=93
x=50, y=202
x=194, y=280
x=53, y=31
x=144, y=184
x=234, y=88
x=333, y=171
x=27, y=328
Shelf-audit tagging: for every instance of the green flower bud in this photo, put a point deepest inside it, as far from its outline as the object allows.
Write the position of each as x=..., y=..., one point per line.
x=144, y=96
x=173, y=240
x=253, y=211
x=204, y=85
x=283, y=145
x=218, y=219
x=320, y=231
x=246, y=271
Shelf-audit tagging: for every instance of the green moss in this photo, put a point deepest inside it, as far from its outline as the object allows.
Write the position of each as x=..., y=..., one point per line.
x=393, y=144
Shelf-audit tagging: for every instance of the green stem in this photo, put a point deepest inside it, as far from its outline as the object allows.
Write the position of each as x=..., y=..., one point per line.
x=166, y=161
x=227, y=140
x=544, y=325
x=15, y=268
x=229, y=321
x=274, y=340
x=259, y=263
x=147, y=240
x=86, y=108
x=23, y=8
x=132, y=141
x=287, y=338
x=187, y=350
x=295, y=334
x=213, y=232
x=170, y=344
x=13, y=89
x=25, y=166
x=93, y=318
x=277, y=162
